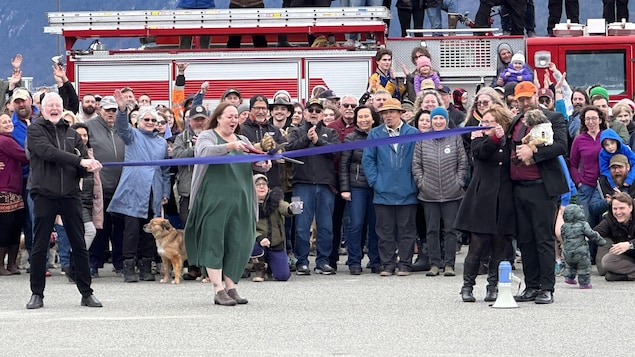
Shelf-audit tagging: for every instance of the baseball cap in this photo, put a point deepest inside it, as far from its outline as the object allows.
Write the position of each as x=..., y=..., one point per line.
x=20, y=93
x=618, y=159
x=545, y=92
x=231, y=91
x=315, y=102
x=108, y=102
x=525, y=89
x=444, y=89
x=258, y=98
x=198, y=111
x=328, y=94
x=260, y=176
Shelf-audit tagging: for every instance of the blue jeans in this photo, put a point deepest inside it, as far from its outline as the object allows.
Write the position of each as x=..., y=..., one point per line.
x=63, y=246
x=592, y=203
x=358, y=3
x=434, y=13
x=318, y=203
x=361, y=212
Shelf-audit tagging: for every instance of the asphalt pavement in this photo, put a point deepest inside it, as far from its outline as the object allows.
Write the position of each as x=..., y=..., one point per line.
x=339, y=315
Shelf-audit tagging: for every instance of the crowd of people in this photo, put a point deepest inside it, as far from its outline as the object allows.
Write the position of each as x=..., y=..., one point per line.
x=501, y=190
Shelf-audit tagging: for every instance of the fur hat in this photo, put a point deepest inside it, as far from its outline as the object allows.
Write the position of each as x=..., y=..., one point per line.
x=518, y=57
x=439, y=111
x=423, y=61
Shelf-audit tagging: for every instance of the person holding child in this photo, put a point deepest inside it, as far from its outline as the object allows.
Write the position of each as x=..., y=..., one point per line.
x=517, y=71
x=612, y=145
x=424, y=71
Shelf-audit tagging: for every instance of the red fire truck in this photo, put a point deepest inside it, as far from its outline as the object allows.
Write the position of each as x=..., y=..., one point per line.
x=462, y=61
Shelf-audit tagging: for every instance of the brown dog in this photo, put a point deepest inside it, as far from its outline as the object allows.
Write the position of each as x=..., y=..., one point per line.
x=170, y=246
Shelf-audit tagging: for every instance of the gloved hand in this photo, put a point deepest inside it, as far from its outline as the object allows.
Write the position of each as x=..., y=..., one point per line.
x=296, y=207
x=267, y=143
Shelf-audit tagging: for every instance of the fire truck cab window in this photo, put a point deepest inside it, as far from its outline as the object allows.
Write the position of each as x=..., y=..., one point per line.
x=587, y=68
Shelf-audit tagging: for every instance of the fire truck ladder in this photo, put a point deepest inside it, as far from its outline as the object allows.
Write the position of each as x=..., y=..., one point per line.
x=157, y=23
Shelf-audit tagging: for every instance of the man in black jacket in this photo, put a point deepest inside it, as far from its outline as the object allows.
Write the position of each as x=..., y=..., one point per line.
x=314, y=182
x=536, y=193
x=58, y=159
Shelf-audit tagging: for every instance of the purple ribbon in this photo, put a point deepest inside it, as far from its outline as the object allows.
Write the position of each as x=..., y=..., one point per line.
x=326, y=149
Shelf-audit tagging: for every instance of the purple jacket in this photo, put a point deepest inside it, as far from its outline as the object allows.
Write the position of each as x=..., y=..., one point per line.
x=13, y=157
x=584, y=163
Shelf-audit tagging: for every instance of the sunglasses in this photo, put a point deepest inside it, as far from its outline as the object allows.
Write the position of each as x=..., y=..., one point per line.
x=483, y=102
x=162, y=122
x=353, y=106
x=113, y=110
x=149, y=119
x=314, y=110
x=544, y=100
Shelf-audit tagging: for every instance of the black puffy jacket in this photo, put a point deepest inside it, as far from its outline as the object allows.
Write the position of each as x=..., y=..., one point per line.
x=55, y=153
x=351, y=170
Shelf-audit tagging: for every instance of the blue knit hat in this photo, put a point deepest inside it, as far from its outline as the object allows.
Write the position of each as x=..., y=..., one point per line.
x=439, y=111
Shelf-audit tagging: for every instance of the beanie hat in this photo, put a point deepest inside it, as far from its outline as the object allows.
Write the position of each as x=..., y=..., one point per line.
x=243, y=108
x=439, y=111
x=423, y=61
x=600, y=91
x=504, y=46
x=518, y=58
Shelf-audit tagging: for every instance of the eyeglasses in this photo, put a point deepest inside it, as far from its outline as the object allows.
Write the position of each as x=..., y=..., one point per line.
x=149, y=119
x=591, y=118
x=353, y=106
x=544, y=100
x=314, y=110
x=259, y=108
x=261, y=184
x=162, y=122
x=483, y=103
x=113, y=110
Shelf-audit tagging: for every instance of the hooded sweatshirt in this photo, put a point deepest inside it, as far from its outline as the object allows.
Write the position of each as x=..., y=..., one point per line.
x=605, y=157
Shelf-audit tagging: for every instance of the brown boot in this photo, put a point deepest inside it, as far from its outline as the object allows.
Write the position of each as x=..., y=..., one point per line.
x=222, y=298
x=453, y=20
x=259, y=275
x=12, y=266
x=234, y=295
x=3, y=270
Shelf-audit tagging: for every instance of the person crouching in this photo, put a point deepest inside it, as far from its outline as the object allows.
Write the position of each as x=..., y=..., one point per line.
x=270, y=236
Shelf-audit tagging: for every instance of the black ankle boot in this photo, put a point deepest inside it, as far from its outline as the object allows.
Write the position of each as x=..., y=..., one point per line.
x=466, y=294
x=129, y=275
x=145, y=269
x=492, y=293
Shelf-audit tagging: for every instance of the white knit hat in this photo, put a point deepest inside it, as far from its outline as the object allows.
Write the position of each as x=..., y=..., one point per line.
x=518, y=57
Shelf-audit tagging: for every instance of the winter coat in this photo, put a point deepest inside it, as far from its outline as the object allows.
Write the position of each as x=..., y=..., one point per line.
x=13, y=157
x=351, y=170
x=575, y=231
x=439, y=167
x=434, y=77
x=98, y=197
x=617, y=232
x=132, y=195
x=55, y=154
x=488, y=207
x=271, y=215
x=19, y=133
x=605, y=157
x=317, y=169
x=511, y=75
x=184, y=147
x=107, y=147
x=255, y=132
x=389, y=171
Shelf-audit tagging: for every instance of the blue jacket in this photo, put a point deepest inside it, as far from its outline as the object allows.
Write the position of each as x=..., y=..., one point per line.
x=195, y=4
x=133, y=192
x=19, y=134
x=565, y=198
x=605, y=157
x=389, y=172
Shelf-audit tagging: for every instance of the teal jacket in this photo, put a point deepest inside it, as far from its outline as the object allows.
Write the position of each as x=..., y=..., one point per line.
x=389, y=171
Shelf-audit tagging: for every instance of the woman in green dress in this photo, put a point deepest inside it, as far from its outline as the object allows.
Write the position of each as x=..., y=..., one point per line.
x=220, y=229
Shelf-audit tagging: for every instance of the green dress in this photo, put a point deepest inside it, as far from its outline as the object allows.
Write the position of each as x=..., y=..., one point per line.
x=220, y=228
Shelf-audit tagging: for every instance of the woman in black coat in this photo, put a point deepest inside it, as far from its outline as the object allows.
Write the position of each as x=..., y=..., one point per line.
x=487, y=213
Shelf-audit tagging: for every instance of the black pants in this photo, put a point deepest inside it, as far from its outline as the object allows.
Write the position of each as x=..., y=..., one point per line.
x=615, y=10
x=10, y=228
x=572, y=7
x=416, y=13
x=136, y=242
x=481, y=245
x=45, y=209
x=113, y=231
x=396, y=230
x=517, y=10
x=234, y=40
x=338, y=214
x=535, y=227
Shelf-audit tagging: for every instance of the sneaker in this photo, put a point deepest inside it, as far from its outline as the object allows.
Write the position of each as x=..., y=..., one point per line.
x=355, y=270
x=325, y=269
x=403, y=271
x=570, y=281
x=303, y=270
x=48, y=273
x=559, y=268
x=449, y=271
x=385, y=272
x=610, y=276
x=374, y=270
x=434, y=271
x=586, y=286
x=94, y=273
x=531, y=34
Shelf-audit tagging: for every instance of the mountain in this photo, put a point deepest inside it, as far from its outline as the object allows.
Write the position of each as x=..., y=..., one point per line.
x=23, y=27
